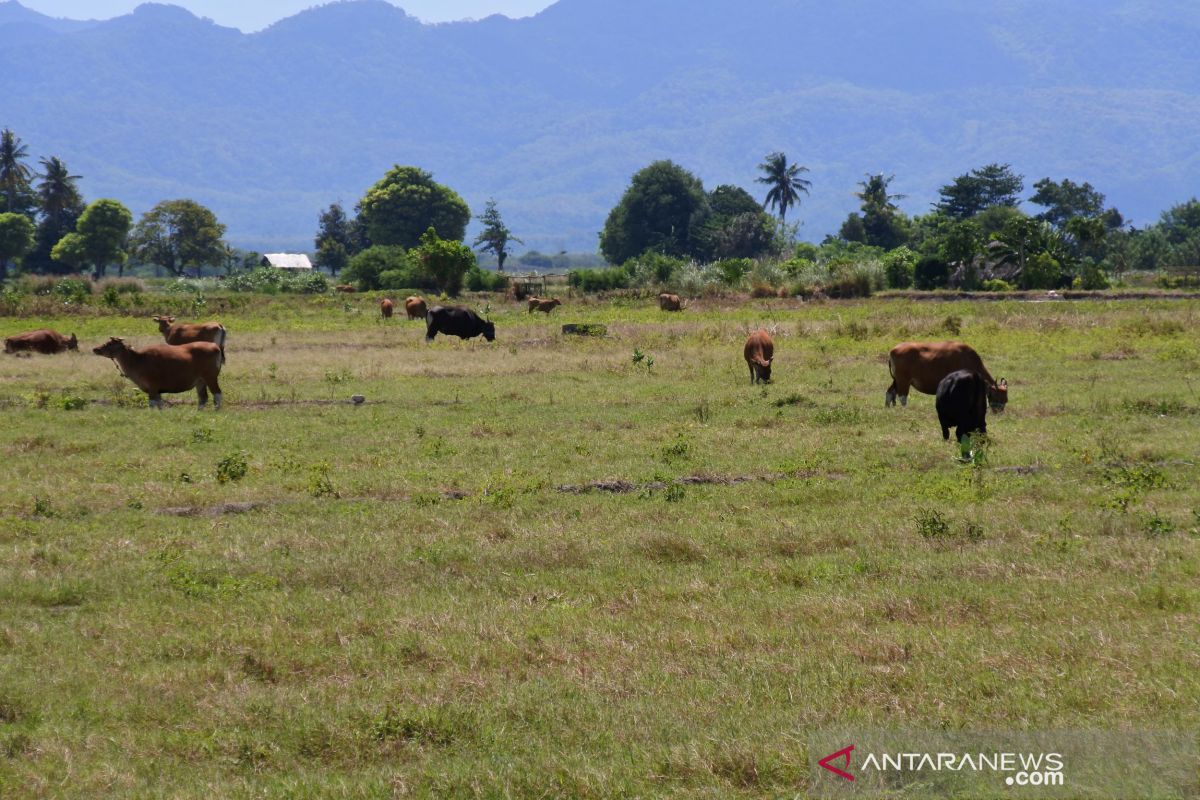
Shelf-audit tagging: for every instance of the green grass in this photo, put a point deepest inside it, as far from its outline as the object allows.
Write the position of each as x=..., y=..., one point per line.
x=536, y=568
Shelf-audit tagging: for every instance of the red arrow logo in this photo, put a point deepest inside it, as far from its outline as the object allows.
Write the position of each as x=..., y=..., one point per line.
x=843, y=753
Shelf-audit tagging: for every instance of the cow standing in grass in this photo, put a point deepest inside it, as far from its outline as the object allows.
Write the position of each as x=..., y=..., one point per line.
x=415, y=308
x=922, y=365
x=962, y=403
x=543, y=305
x=759, y=352
x=457, y=321
x=670, y=302
x=168, y=368
x=386, y=308
x=187, y=332
x=43, y=340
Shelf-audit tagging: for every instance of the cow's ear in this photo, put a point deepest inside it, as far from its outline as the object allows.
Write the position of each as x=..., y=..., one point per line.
x=1004, y=383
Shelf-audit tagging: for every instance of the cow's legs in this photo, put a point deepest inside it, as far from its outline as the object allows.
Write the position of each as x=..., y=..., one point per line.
x=753, y=376
x=889, y=398
x=202, y=393
x=430, y=332
x=156, y=401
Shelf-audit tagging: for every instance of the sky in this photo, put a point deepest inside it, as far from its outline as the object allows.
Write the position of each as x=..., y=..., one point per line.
x=258, y=14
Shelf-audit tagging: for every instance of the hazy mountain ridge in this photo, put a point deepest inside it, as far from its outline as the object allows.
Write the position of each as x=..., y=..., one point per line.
x=550, y=115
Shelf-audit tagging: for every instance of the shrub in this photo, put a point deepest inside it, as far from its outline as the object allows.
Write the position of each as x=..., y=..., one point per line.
x=650, y=269
x=853, y=279
x=931, y=272
x=898, y=268
x=232, y=468
x=264, y=280
x=1041, y=272
x=733, y=270
x=599, y=280
x=366, y=268
x=995, y=285
x=1092, y=277
x=486, y=280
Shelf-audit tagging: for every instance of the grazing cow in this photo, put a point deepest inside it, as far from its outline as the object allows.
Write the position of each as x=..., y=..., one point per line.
x=962, y=402
x=415, y=308
x=759, y=352
x=345, y=288
x=386, y=307
x=922, y=365
x=670, y=302
x=186, y=332
x=43, y=341
x=168, y=368
x=457, y=321
x=545, y=306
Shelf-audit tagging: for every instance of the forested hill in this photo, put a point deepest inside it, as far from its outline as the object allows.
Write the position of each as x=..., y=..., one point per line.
x=550, y=115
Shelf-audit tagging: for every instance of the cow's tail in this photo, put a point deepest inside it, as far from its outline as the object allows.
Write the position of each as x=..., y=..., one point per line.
x=892, y=365
x=221, y=343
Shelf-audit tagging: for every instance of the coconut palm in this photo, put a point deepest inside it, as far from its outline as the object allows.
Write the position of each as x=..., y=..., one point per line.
x=14, y=175
x=58, y=193
x=875, y=195
x=785, y=182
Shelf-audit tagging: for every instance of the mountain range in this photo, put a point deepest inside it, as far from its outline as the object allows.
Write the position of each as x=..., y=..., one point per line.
x=552, y=114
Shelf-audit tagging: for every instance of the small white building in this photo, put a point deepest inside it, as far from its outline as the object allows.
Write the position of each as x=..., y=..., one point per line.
x=288, y=261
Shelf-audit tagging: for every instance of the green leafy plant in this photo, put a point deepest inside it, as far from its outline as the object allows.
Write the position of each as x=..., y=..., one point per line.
x=232, y=468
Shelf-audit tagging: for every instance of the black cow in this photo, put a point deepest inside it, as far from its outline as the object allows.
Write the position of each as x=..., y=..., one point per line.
x=962, y=401
x=457, y=321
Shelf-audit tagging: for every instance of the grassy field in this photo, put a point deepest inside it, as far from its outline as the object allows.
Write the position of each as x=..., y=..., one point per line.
x=538, y=568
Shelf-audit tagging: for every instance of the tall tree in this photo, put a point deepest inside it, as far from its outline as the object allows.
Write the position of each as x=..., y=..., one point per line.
x=179, y=235
x=784, y=182
x=15, y=176
x=403, y=204
x=16, y=237
x=993, y=185
x=100, y=237
x=495, y=235
x=883, y=224
x=1065, y=200
x=61, y=204
x=335, y=239
x=663, y=210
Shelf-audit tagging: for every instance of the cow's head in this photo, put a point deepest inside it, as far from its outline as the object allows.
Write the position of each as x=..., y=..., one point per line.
x=164, y=322
x=998, y=395
x=489, y=331
x=112, y=348
x=73, y=343
x=762, y=369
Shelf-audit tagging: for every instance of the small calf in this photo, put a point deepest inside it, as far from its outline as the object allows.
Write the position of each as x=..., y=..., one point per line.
x=545, y=306
x=670, y=302
x=962, y=403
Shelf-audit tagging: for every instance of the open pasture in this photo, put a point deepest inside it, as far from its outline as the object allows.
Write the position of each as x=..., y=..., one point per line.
x=585, y=567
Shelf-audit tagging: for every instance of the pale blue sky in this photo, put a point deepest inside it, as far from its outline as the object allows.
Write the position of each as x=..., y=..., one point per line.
x=251, y=15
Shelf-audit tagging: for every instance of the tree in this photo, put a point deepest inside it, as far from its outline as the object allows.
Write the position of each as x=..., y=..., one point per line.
x=784, y=181
x=1181, y=221
x=446, y=261
x=405, y=203
x=993, y=185
x=14, y=175
x=179, y=235
x=61, y=206
x=16, y=237
x=663, y=210
x=335, y=240
x=882, y=223
x=737, y=226
x=1065, y=200
x=495, y=235
x=102, y=231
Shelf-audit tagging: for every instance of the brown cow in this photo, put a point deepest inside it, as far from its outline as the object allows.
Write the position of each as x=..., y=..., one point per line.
x=922, y=365
x=759, y=352
x=545, y=306
x=386, y=307
x=670, y=302
x=43, y=341
x=415, y=308
x=345, y=288
x=168, y=368
x=186, y=332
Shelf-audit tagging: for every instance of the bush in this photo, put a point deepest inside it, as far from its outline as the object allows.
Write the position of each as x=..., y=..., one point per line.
x=733, y=270
x=1041, y=272
x=264, y=280
x=486, y=280
x=653, y=269
x=599, y=280
x=898, y=268
x=367, y=267
x=853, y=279
x=931, y=272
x=995, y=285
x=1092, y=277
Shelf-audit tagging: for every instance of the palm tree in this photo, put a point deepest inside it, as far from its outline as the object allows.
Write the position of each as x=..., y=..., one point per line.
x=14, y=176
x=785, y=182
x=57, y=192
x=874, y=194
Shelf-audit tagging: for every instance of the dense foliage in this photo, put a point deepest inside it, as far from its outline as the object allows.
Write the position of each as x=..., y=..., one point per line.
x=405, y=203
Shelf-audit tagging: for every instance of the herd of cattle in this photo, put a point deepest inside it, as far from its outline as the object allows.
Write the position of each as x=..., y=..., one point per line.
x=194, y=353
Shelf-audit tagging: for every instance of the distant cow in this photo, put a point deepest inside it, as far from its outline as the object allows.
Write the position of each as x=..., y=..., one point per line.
x=962, y=403
x=386, y=307
x=43, y=341
x=545, y=306
x=457, y=321
x=345, y=288
x=759, y=352
x=922, y=365
x=168, y=368
x=187, y=332
x=670, y=302
x=415, y=308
